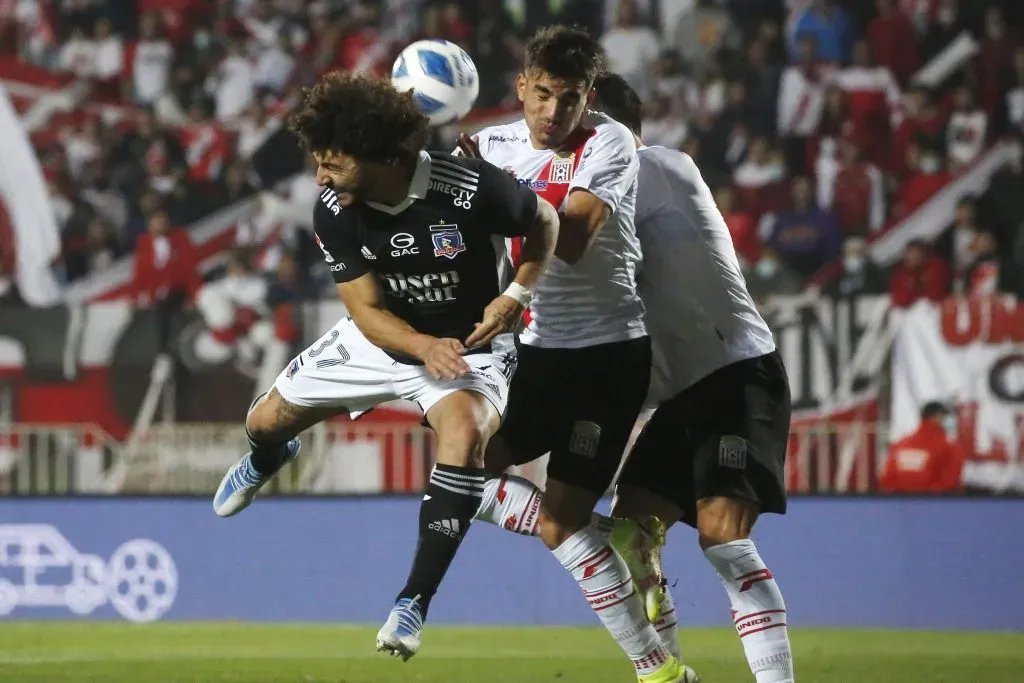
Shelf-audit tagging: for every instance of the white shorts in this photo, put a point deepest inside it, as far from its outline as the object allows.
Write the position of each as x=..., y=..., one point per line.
x=344, y=370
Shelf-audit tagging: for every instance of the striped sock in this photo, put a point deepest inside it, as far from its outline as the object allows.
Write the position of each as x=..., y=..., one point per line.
x=452, y=497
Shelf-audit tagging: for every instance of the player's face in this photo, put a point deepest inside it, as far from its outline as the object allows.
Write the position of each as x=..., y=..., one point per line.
x=553, y=106
x=341, y=173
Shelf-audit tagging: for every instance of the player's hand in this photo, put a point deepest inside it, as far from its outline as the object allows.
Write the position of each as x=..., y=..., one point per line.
x=469, y=147
x=443, y=359
x=500, y=316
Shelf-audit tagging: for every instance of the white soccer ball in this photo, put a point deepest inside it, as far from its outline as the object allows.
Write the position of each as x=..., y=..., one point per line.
x=442, y=77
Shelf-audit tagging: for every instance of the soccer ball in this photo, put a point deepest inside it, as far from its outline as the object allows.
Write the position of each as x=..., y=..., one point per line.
x=442, y=77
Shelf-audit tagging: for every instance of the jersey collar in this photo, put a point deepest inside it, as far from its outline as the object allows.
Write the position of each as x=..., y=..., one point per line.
x=417, y=188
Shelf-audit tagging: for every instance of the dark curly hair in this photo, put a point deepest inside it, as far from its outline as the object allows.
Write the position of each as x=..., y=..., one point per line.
x=362, y=116
x=566, y=52
x=617, y=99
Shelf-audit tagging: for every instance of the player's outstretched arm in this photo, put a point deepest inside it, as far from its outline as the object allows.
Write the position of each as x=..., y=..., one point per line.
x=503, y=314
x=364, y=300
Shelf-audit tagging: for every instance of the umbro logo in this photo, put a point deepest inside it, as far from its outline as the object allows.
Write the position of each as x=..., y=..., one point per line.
x=448, y=527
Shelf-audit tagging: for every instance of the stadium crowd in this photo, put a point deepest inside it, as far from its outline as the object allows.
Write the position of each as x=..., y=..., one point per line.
x=814, y=120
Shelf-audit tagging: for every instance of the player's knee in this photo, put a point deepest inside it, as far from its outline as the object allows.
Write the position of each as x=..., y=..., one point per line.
x=559, y=522
x=463, y=443
x=722, y=520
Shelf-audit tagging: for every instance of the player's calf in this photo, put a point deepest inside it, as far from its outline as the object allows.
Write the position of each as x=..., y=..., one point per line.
x=464, y=422
x=758, y=610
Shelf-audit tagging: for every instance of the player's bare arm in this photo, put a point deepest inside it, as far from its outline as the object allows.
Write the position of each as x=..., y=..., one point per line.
x=365, y=303
x=584, y=216
x=502, y=314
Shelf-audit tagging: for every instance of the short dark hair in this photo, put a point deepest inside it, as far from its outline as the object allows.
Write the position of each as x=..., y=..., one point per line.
x=362, y=116
x=934, y=409
x=566, y=52
x=618, y=100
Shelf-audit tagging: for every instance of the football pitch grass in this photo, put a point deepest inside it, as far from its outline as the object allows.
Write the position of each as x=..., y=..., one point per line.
x=208, y=652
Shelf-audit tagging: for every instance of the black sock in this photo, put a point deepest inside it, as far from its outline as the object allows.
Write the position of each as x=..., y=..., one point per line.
x=266, y=458
x=452, y=498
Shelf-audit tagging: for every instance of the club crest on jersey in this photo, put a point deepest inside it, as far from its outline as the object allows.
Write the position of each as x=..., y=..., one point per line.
x=447, y=240
x=327, y=254
x=561, y=167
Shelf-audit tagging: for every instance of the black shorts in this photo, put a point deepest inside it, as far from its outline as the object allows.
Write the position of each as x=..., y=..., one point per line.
x=725, y=436
x=578, y=404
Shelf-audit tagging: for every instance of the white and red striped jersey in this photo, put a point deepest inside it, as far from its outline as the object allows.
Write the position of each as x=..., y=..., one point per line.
x=802, y=100
x=595, y=300
x=207, y=147
x=965, y=137
x=869, y=90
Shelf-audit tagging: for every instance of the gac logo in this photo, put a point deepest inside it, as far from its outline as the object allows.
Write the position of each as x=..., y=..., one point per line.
x=402, y=245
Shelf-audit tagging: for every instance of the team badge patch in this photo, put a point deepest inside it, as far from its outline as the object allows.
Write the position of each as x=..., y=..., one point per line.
x=292, y=369
x=447, y=240
x=586, y=436
x=561, y=167
x=732, y=452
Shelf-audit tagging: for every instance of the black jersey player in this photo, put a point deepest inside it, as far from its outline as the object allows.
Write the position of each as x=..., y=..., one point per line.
x=415, y=242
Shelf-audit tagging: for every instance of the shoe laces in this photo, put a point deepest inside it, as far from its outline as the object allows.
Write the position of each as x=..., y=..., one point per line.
x=407, y=611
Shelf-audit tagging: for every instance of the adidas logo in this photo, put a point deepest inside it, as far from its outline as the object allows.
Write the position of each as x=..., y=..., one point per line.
x=367, y=254
x=448, y=527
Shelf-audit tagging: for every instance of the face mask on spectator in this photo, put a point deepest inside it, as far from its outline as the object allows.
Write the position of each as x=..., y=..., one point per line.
x=854, y=264
x=947, y=16
x=201, y=40
x=767, y=267
x=930, y=165
x=949, y=424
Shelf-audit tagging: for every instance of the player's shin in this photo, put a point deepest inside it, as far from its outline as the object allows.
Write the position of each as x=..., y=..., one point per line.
x=452, y=496
x=513, y=503
x=758, y=610
x=605, y=581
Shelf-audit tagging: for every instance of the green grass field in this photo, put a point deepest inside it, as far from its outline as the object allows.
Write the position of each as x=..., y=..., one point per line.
x=161, y=653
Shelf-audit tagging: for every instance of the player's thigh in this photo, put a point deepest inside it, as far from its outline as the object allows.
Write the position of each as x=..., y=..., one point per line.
x=464, y=412
x=340, y=372
x=657, y=477
x=741, y=456
x=597, y=415
x=535, y=392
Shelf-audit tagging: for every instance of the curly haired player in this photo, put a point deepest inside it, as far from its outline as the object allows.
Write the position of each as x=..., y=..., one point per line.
x=415, y=242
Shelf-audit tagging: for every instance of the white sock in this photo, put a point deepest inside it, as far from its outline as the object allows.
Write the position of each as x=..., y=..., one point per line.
x=512, y=503
x=666, y=626
x=758, y=610
x=605, y=581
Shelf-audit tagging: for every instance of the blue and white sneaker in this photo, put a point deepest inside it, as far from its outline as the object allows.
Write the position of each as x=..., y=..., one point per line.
x=400, y=634
x=241, y=483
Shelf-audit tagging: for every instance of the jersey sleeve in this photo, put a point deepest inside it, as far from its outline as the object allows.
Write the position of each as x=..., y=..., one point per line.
x=609, y=165
x=506, y=207
x=336, y=237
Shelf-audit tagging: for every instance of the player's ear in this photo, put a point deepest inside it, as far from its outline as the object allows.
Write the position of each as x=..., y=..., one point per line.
x=521, y=86
x=591, y=96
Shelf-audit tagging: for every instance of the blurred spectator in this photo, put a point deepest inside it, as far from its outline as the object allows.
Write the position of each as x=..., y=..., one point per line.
x=996, y=56
x=233, y=308
x=702, y=33
x=166, y=272
x=927, y=461
x=873, y=100
x=661, y=125
x=769, y=277
x=231, y=83
x=949, y=23
x=207, y=146
x=78, y=55
x=928, y=176
x=827, y=22
x=922, y=275
x=1002, y=205
x=801, y=101
x=631, y=48
x=1013, y=266
x=741, y=224
x=761, y=78
x=893, y=41
x=923, y=125
x=859, y=275
x=852, y=188
x=805, y=236
x=726, y=139
x=1014, y=100
x=151, y=59
x=982, y=276
x=967, y=130
x=254, y=129
x=963, y=236
x=275, y=66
